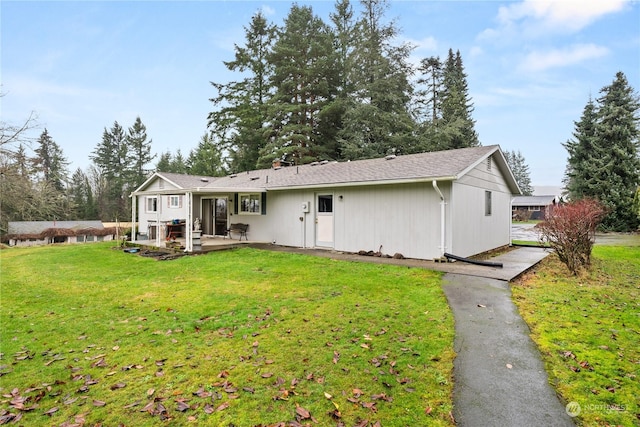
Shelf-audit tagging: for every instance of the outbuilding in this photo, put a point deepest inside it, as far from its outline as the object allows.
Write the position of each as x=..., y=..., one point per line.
x=32, y=233
x=418, y=205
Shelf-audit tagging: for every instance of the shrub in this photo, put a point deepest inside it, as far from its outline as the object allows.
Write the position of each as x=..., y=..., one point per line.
x=570, y=231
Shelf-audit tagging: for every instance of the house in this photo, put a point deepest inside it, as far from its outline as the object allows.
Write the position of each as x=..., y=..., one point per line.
x=526, y=208
x=419, y=205
x=30, y=233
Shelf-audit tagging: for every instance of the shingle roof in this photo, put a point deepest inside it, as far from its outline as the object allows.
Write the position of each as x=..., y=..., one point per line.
x=430, y=165
x=449, y=164
x=187, y=181
x=533, y=200
x=37, y=227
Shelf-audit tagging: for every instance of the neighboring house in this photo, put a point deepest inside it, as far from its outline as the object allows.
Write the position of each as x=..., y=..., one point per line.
x=30, y=233
x=525, y=208
x=419, y=205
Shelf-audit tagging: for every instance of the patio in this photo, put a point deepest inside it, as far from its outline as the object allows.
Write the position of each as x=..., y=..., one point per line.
x=208, y=243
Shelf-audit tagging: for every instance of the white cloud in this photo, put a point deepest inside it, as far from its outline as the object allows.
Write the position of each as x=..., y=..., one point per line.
x=557, y=58
x=268, y=10
x=428, y=44
x=536, y=18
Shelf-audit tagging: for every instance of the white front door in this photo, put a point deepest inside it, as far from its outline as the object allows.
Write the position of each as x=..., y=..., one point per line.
x=324, y=220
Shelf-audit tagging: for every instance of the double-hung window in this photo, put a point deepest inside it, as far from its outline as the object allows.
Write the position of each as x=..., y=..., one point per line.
x=152, y=204
x=175, y=201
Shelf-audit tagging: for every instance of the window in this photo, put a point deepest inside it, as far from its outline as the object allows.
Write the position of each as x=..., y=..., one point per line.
x=487, y=203
x=325, y=203
x=152, y=204
x=175, y=201
x=250, y=203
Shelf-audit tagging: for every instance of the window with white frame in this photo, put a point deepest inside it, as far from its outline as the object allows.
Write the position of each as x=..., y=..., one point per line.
x=175, y=201
x=152, y=204
x=250, y=203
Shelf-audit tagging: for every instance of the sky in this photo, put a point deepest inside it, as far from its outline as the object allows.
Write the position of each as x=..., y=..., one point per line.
x=79, y=66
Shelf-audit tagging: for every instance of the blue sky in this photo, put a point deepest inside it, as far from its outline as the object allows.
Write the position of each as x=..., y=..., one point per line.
x=531, y=65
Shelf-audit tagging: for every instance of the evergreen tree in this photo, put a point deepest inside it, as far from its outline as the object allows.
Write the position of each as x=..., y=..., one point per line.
x=179, y=163
x=458, y=127
x=206, y=159
x=583, y=150
x=81, y=195
x=303, y=73
x=111, y=157
x=618, y=132
x=238, y=121
x=604, y=160
x=520, y=170
x=164, y=162
x=377, y=120
x=50, y=162
x=140, y=151
x=428, y=101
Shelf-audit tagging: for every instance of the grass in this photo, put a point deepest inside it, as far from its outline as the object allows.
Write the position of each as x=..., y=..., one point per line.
x=588, y=330
x=235, y=338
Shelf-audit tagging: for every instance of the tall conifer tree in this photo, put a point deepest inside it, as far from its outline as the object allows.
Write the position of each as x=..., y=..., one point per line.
x=604, y=160
x=240, y=108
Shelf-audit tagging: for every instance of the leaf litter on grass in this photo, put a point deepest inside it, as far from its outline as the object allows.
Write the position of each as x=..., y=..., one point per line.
x=271, y=350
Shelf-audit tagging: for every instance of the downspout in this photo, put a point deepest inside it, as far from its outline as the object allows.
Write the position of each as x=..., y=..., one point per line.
x=443, y=203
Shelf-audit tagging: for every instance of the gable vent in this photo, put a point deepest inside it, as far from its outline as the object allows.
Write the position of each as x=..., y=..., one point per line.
x=324, y=162
x=314, y=163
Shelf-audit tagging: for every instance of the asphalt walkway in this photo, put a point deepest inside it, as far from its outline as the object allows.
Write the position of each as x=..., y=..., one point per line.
x=499, y=376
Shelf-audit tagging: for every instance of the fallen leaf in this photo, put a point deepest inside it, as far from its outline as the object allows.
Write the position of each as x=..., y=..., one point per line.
x=482, y=306
x=99, y=402
x=428, y=410
x=51, y=411
x=509, y=365
x=303, y=413
x=182, y=406
x=222, y=407
x=151, y=391
x=327, y=395
x=267, y=375
x=118, y=386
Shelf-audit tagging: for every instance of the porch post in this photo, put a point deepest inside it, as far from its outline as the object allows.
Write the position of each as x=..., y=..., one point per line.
x=134, y=205
x=188, y=227
x=158, y=207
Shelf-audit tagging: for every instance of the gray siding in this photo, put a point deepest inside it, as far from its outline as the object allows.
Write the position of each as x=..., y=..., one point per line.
x=474, y=232
x=401, y=218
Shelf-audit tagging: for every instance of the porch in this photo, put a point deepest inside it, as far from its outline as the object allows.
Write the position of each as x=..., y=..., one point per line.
x=208, y=243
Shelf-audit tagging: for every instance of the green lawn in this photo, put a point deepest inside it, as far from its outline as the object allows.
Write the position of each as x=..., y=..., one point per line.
x=245, y=337
x=588, y=329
